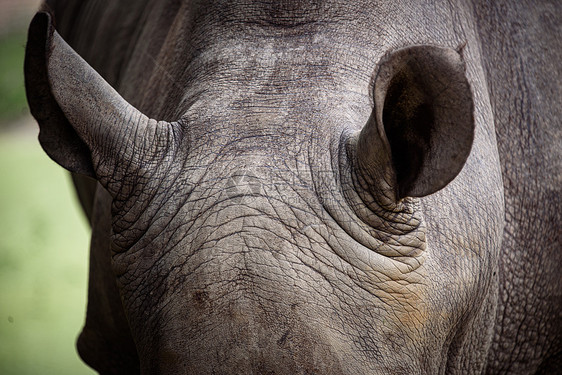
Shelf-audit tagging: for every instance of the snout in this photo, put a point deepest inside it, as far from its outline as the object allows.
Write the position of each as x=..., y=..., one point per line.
x=242, y=337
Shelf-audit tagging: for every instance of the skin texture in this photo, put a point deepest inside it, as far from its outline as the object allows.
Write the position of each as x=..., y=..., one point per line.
x=524, y=48
x=292, y=188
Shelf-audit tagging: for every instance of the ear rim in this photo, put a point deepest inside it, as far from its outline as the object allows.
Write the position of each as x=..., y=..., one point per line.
x=394, y=62
x=57, y=137
x=87, y=126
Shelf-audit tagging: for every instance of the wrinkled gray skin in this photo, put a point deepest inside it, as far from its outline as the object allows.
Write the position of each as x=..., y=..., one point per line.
x=297, y=209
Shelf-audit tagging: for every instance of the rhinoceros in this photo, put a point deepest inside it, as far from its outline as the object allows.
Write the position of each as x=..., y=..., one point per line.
x=310, y=187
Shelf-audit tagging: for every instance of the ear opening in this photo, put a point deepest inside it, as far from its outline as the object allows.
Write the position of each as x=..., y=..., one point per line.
x=408, y=120
x=424, y=110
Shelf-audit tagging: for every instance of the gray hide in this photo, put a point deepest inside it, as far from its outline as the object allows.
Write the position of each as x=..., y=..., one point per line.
x=310, y=187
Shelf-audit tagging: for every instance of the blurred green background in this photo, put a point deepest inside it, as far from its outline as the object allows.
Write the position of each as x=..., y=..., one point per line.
x=43, y=234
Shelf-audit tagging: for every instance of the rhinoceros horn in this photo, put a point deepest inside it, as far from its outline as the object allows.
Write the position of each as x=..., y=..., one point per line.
x=422, y=127
x=85, y=125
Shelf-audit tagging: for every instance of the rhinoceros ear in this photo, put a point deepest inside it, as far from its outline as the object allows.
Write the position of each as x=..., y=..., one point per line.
x=85, y=125
x=422, y=127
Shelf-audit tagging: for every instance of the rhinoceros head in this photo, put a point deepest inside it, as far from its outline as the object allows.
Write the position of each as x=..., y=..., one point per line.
x=279, y=236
